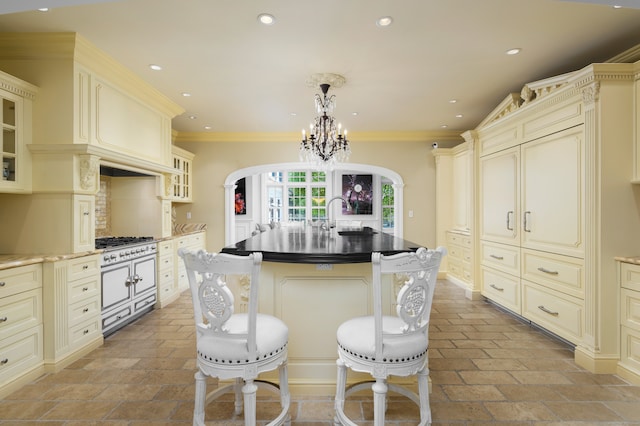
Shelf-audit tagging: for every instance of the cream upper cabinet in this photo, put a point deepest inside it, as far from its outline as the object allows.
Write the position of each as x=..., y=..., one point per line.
x=182, y=184
x=552, y=200
x=15, y=117
x=499, y=211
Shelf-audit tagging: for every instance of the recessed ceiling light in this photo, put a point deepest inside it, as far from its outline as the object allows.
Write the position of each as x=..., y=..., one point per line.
x=192, y=117
x=617, y=6
x=354, y=113
x=385, y=21
x=458, y=115
x=444, y=126
x=155, y=67
x=266, y=19
x=207, y=127
x=293, y=114
x=186, y=94
x=514, y=51
x=453, y=101
x=43, y=9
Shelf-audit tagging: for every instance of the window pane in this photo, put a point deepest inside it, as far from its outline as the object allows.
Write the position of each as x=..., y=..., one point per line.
x=318, y=177
x=275, y=176
x=274, y=194
x=297, y=176
x=318, y=202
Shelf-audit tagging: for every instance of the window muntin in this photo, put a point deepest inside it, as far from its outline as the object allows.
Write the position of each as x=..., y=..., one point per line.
x=387, y=204
x=303, y=192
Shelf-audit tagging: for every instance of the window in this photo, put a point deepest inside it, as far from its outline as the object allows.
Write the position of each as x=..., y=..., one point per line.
x=388, y=212
x=302, y=192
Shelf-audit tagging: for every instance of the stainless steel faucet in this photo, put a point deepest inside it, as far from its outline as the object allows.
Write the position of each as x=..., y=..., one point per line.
x=327, y=225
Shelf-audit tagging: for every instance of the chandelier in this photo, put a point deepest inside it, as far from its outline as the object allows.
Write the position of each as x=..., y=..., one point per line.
x=326, y=143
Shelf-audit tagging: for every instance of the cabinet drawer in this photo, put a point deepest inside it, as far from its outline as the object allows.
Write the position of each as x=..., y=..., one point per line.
x=557, y=312
x=499, y=256
x=83, y=267
x=165, y=247
x=165, y=276
x=502, y=288
x=630, y=348
x=565, y=274
x=79, y=334
x=83, y=290
x=20, y=312
x=17, y=280
x=20, y=352
x=630, y=276
x=630, y=308
x=458, y=239
x=455, y=268
x=196, y=241
x=165, y=262
x=84, y=310
x=454, y=252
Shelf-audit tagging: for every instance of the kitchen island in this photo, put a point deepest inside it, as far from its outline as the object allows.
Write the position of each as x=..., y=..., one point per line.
x=314, y=280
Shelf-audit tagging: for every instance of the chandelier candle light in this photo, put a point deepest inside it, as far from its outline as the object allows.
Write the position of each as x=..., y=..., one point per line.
x=326, y=143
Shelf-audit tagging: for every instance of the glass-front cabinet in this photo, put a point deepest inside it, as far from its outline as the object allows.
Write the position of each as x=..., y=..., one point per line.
x=182, y=185
x=16, y=97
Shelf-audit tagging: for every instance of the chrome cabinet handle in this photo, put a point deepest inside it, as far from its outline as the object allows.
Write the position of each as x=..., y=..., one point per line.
x=128, y=281
x=546, y=271
x=4, y=361
x=137, y=278
x=509, y=216
x=3, y=319
x=2, y=283
x=496, y=287
x=543, y=309
x=525, y=224
x=496, y=257
x=85, y=310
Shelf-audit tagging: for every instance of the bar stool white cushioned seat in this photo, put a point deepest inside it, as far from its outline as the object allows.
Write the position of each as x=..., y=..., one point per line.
x=232, y=345
x=391, y=345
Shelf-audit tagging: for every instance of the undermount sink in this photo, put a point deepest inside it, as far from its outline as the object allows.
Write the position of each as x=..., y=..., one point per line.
x=357, y=231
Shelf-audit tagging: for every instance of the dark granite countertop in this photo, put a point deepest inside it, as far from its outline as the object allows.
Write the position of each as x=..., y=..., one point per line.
x=313, y=245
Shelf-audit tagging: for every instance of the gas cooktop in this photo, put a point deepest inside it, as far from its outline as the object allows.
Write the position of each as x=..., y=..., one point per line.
x=108, y=242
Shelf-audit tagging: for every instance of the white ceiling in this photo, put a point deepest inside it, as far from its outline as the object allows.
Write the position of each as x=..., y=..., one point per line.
x=247, y=77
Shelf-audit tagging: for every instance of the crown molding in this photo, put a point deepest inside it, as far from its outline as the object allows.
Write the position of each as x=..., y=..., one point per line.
x=383, y=136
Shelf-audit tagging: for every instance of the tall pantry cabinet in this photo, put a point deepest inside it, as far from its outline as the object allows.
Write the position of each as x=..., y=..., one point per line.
x=555, y=205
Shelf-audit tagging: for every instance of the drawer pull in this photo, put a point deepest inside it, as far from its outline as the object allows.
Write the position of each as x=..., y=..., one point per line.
x=85, y=288
x=543, y=309
x=2, y=283
x=85, y=267
x=546, y=271
x=3, y=319
x=86, y=213
x=496, y=257
x=4, y=361
x=85, y=332
x=85, y=310
x=496, y=287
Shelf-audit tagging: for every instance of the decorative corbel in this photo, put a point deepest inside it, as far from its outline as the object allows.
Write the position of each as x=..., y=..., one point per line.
x=89, y=166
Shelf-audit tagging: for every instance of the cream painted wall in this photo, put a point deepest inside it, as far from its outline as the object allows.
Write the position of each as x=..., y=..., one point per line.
x=215, y=160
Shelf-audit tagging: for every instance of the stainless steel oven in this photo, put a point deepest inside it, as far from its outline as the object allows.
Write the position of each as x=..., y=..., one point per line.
x=128, y=273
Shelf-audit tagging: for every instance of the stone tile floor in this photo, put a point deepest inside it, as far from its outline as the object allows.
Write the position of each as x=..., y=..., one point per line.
x=486, y=367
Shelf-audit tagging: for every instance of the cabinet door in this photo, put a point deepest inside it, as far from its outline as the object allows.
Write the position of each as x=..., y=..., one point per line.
x=553, y=193
x=499, y=195
x=85, y=223
x=462, y=170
